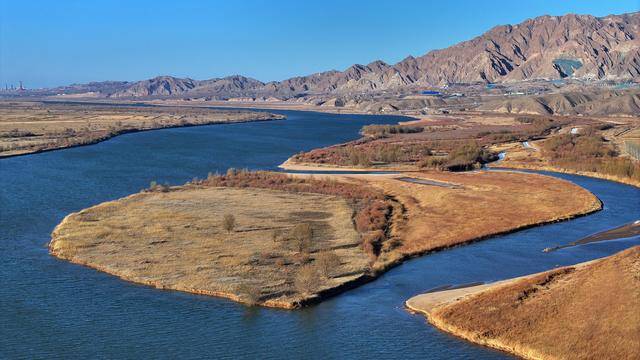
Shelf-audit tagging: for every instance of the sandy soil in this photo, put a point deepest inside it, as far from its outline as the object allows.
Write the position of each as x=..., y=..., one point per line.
x=589, y=310
x=30, y=127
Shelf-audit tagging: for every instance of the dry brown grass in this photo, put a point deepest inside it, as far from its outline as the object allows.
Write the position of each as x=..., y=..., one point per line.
x=483, y=204
x=176, y=240
x=28, y=127
x=372, y=208
x=616, y=168
x=587, y=312
x=420, y=143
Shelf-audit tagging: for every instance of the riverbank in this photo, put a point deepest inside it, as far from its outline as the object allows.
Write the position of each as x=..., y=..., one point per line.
x=125, y=238
x=524, y=166
x=257, y=238
x=292, y=165
x=476, y=206
x=35, y=127
x=268, y=105
x=585, y=310
x=529, y=157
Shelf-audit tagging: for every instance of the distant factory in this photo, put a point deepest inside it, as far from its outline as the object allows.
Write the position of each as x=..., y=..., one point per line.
x=12, y=87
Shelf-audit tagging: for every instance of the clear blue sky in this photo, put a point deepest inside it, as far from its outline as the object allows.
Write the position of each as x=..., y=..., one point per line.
x=50, y=43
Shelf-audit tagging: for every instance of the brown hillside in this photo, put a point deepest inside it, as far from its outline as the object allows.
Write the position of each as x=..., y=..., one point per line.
x=581, y=312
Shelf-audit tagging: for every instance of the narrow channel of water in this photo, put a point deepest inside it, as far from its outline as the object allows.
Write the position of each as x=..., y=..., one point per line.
x=52, y=309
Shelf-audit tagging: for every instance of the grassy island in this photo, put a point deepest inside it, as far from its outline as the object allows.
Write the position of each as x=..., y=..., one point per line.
x=281, y=240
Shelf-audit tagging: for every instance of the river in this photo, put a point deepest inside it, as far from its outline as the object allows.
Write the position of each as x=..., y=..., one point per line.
x=53, y=309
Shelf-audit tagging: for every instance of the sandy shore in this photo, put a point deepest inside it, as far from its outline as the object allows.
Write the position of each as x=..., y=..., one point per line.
x=295, y=166
x=29, y=127
x=428, y=303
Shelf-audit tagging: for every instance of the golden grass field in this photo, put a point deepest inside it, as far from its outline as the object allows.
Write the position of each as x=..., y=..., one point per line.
x=586, y=311
x=29, y=127
x=174, y=239
x=483, y=204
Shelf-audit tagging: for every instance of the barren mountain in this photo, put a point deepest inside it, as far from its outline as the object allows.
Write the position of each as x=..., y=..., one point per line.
x=552, y=47
x=546, y=47
x=570, y=103
x=235, y=85
x=158, y=86
x=168, y=86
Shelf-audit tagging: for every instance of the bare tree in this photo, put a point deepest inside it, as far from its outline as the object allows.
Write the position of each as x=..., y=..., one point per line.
x=327, y=262
x=302, y=234
x=249, y=293
x=275, y=235
x=229, y=222
x=307, y=280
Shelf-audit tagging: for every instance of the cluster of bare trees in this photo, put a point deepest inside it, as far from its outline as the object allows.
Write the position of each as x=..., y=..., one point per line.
x=372, y=216
x=632, y=148
x=312, y=270
x=590, y=152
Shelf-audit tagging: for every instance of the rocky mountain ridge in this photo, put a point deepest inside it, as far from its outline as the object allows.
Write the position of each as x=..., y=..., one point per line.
x=545, y=47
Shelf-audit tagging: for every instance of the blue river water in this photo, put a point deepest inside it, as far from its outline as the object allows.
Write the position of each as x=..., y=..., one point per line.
x=53, y=309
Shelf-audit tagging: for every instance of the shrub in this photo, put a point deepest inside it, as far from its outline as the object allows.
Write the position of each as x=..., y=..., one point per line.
x=307, y=280
x=525, y=119
x=281, y=262
x=632, y=148
x=275, y=235
x=228, y=222
x=327, y=262
x=433, y=162
x=284, y=182
x=154, y=186
x=588, y=153
x=466, y=156
x=373, y=216
x=301, y=235
x=249, y=293
x=384, y=130
x=372, y=243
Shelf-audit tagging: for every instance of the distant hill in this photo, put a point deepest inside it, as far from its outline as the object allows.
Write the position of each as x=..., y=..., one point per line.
x=167, y=86
x=570, y=103
x=546, y=47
